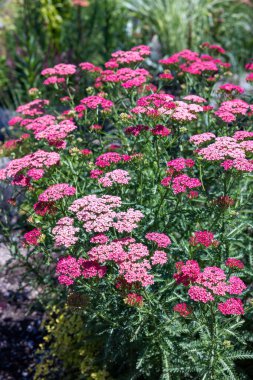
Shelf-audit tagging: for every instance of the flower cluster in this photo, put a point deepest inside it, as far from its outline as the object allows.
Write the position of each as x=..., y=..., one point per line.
x=231, y=152
x=56, y=192
x=98, y=214
x=69, y=268
x=136, y=55
x=203, y=238
x=32, y=237
x=162, y=240
x=65, y=233
x=133, y=299
x=58, y=73
x=181, y=183
x=131, y=258
x=182, y=309
x=127, y=77
x=208, y=284
x=33, y=108
x=194, y=63
x=232, y=88
x=34, y=165
x=106, y=159
x=234, y=263
x=229, y=110
x=116, y=176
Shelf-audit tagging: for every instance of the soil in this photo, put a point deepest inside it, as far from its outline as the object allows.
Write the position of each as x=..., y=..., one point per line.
x=19, y=324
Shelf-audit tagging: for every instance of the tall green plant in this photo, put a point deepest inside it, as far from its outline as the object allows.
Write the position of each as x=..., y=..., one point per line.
x=182, y=24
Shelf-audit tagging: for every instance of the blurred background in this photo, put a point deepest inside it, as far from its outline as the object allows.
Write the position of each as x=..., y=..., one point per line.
x=40, y=33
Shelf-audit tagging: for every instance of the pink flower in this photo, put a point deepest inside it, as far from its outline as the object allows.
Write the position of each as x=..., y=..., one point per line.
x=236, y=285
x=228, y=87
x=32, y=237
x=160, y=239
x=179, y=164
x=187, y=272
x=133, y=299
x=195, y=99
x=202, y=138
x=231, y=108
x=118, y=176
x=160, y=130
x=137, y=272
x=68, y=269
x=107, y=159
x=55, y=132
x=86, y=152
x=213, y=279
x=232, y=306
x=166, y=76
x=182, y=309
x=33, y=108
x=64, y=232
x=181, y=183
x=53, y=80
x=37, y=160
x=56, y=192
x=35, y=174
x=136, y=130
x=43, y=208
x=91, y=269
x=198, y=293
x=234, y=263
x=205, y=238
x=159, y=257
x=87, y=66
x=242, y=135
x=95, y=101
x=249, y=78
x=62, y=69
x=15, y=120
x=95, y=173
x=99, y=239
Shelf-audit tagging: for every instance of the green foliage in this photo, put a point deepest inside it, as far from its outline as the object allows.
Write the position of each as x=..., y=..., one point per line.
x=184, y=24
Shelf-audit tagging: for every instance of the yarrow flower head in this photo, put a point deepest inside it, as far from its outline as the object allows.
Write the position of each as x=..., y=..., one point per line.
x=69, y=268
x=234, y=263
x=232, y=306
x=133, y=299
x=62, y=69
x=162, y=240
x=204, y=238
x=65, y=233
x=183, y=309
x=202, y=138
x=95, y=101
x=56, y=192
x=200, y=294
x=37, y=160
x=106, y=159
x=32, y=237
x=159, y=257
x=33, y=108
x=232, y=88
x=181, y=183
x=117, y=176
x=179, y=164
x=229, y=110
x=98, y=214
x=187, y=273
